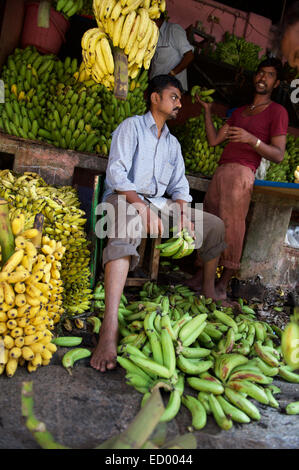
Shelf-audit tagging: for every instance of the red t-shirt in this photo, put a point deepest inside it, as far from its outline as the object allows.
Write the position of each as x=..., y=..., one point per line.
x=271, y=122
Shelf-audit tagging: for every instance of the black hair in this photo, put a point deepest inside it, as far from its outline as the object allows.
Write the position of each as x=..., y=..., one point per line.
x=291, y=17
x=159, y=83
x=272, y=62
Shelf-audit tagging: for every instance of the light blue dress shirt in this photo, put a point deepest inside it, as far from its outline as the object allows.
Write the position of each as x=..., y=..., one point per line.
x=140, y=161
x=171, y=47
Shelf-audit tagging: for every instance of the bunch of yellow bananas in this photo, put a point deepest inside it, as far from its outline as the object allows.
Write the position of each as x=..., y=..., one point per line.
x=30, y=299
x=64, y=221
x=124, y=24
x=296, y=174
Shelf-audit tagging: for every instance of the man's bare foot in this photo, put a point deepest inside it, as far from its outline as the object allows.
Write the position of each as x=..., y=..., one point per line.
x=104, y=356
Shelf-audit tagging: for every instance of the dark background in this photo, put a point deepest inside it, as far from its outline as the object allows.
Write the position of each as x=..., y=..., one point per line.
x=271, y=9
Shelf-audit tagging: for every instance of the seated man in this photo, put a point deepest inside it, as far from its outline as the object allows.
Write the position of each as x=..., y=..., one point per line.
x=145, y=163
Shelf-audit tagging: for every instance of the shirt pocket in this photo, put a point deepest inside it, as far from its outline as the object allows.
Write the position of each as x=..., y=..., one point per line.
x=166, y=173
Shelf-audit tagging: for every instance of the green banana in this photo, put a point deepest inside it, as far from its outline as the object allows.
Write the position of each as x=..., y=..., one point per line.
x=67, y=341
x=219, y=415
x=73, y=356
x=250, y=388
x=151, y=367
x=288, y=375
x=204, y=385
x=130, y=367
x=193, y=366
x=225, y=363
x=293, y=408
x=271, y=399
x=242, y=403
x=191, y=330
x=197, y=410
x=168, y=351
x=226, y=319
x=232, y=411
x=192, y=352
x=96, y=323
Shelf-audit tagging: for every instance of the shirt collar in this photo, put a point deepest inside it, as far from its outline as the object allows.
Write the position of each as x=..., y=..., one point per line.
x=151, y=123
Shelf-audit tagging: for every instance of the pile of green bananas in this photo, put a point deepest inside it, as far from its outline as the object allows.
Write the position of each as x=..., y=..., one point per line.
x=237, y=52
x=177, y=247
x=170, y=338
x=199, y=156
x=284, y=172
x=203, y=94
x=63, y=220
x=46, y=101
x=69, y=7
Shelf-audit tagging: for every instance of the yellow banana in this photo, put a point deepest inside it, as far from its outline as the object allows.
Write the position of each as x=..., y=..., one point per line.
x=107, y=55
x=126, y=30
x=117, y=30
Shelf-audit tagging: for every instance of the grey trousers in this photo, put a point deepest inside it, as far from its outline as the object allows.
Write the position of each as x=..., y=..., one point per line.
x=126, y=232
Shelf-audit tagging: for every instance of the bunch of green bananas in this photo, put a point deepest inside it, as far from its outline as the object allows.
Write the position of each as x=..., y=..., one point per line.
x=63, y=220
x=87, y=8
x=199, y=156
x=48, y=100
x=203, y=93
x=177, y=247
x=284, y=172
x=237, y=52
x=279, y=171
x=69, y=7
x=171, y=337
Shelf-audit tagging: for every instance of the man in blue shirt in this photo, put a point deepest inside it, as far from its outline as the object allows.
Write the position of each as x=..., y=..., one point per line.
x=145, y=164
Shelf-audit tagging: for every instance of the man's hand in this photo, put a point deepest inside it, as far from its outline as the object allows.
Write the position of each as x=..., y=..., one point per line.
x=206, y=106
x=237, y=134
x=151, y=222
x=186, y=223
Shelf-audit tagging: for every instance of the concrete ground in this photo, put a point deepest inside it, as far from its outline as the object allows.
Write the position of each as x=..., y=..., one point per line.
x=84, y=409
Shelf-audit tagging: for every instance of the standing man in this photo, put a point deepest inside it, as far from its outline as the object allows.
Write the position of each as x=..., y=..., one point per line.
x=173, y=52
x=254, y=131
x=145, y=163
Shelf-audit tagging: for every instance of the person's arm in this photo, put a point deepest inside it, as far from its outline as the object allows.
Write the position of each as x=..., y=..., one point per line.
x=179, y=190
x=186, y=60
x=214, y=137
x=150, y=220
x=273, y=151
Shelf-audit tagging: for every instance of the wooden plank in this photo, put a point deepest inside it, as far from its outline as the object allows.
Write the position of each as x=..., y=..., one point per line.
x=94, y=239
x=155, y=259
x=136, y=281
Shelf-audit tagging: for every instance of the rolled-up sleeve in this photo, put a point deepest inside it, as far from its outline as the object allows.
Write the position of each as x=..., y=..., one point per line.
x=178, y=187
x=123, y=146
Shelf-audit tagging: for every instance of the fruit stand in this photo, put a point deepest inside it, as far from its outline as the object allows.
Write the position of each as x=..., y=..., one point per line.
x=180, y=356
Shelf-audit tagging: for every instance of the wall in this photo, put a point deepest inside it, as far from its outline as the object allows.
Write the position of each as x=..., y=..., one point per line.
x=254, y=28
x=12, y=25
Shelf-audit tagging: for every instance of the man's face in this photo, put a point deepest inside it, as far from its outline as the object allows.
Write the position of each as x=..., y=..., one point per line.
x=169, y=102
x=265, y=80
x=290, y=45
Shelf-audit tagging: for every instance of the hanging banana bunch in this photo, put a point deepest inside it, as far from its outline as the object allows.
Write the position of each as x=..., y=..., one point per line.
x=124, y=24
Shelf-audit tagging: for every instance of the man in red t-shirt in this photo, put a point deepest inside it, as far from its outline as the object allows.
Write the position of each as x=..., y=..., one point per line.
x=254, y=131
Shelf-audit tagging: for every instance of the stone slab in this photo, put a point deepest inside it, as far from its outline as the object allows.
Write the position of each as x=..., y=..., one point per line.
x=84, y=409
